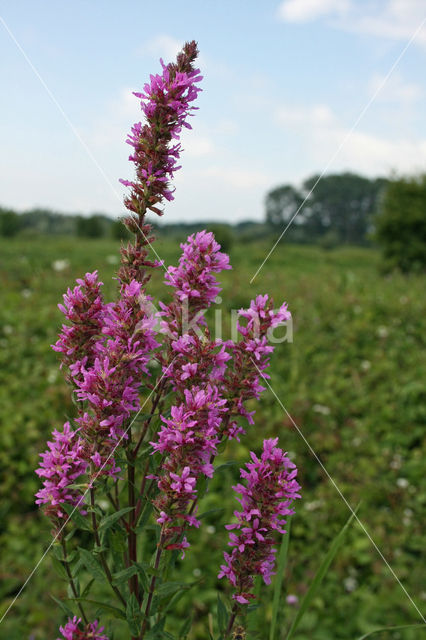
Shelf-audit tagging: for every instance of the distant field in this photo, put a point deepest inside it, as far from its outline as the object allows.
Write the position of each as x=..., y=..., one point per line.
x=352, y=380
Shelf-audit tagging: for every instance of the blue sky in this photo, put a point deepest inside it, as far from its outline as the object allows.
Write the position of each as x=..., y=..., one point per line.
x=284, y=83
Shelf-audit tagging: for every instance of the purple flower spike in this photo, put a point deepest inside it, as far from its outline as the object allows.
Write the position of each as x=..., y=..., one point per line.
x=73, y=631
x=61, y=465
x=84, y=309
x=265, y=501
x=166, y=104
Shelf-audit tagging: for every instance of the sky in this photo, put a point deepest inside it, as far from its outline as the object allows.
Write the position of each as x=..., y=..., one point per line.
x=290, y=89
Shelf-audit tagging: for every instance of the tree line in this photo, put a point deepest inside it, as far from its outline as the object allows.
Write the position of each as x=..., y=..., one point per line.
x=329, y=210
x=338, y=208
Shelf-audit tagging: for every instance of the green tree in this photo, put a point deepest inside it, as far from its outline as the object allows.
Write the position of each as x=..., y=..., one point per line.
x=281, y=205
x=223, y=234
x=119, y=231
x=10, y=223
x=344, y=203
x=401, y=223
x=91, y=227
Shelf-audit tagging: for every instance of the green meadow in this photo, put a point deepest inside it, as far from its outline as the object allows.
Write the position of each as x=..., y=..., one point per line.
x=347, y=402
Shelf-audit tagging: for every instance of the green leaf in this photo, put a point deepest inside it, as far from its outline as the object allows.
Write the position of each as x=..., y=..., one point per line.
x=403, y=626
x=124, y=575
x=91, y=564
x=225, y=465
x=210, y=512
x=158, y=634
x=144, y=517
x=202, y=484
x=170, y=588
x=76, y=568
x=142, y=576
x=178, y=595
x=115, y=611
x=282, y=561
x=59, y=568
x=222, y=615
x=133, y=615
x=108, y=521
x=87, y=588
x=63, y=606
x=75, y=515
x=185, y=628
x=316, y=582
x=58, y=551
x=117, y=545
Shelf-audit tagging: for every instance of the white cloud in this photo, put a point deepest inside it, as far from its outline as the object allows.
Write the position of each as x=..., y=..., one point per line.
x=391, y=19
x=394, y=19
x=306, y=10
x=319, y=115
x=167, y=47
x=196, y=146
x=395, y=89
x=321, y=133
x=238, y=178
x=111, y=127
x=164, y=46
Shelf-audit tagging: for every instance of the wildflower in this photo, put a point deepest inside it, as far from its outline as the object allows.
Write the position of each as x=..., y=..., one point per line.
x=61, y=465
x=165, y=102
x=84, y=309
x=195, y=286
x=73, y=631
x=265, y=501
x=250, y=356
x=111, y=386
x=188, y=440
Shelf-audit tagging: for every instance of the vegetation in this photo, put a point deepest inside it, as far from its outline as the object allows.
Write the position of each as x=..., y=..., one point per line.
x=351, y=382
x=401, y=224
x=342, y=204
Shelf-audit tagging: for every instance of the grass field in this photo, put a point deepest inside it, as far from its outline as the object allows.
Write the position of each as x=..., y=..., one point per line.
x=352, y=381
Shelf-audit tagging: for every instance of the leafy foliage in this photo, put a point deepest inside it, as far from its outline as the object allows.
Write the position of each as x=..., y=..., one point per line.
x=359, y=402
x=401, y=224
x=340, y=203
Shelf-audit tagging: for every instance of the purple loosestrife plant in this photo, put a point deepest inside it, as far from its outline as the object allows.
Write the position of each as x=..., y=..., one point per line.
x=156, y=399
x=265, y=500
x=73, y=630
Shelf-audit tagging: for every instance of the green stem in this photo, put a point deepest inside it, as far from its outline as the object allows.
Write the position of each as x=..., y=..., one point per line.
x=101, y=553
x=131, y=535
x=71, y=580
x=147, y=422
x=234, y=613
x=152, y=586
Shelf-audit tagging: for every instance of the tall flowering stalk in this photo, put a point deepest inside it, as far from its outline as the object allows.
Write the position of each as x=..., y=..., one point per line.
x=155, y=397
x=265, y=500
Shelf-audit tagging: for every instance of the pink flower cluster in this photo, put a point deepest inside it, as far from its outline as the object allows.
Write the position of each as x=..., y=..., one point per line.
x=195, y=286
x=61, y=465
x=223, y=374
x=251, y=355
x=165, y=103
x=111, y=386
x=73, y=631
x=119, y=343
x=84, y=309
x=188, y=441
x=193, y=279
x=265, y=501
